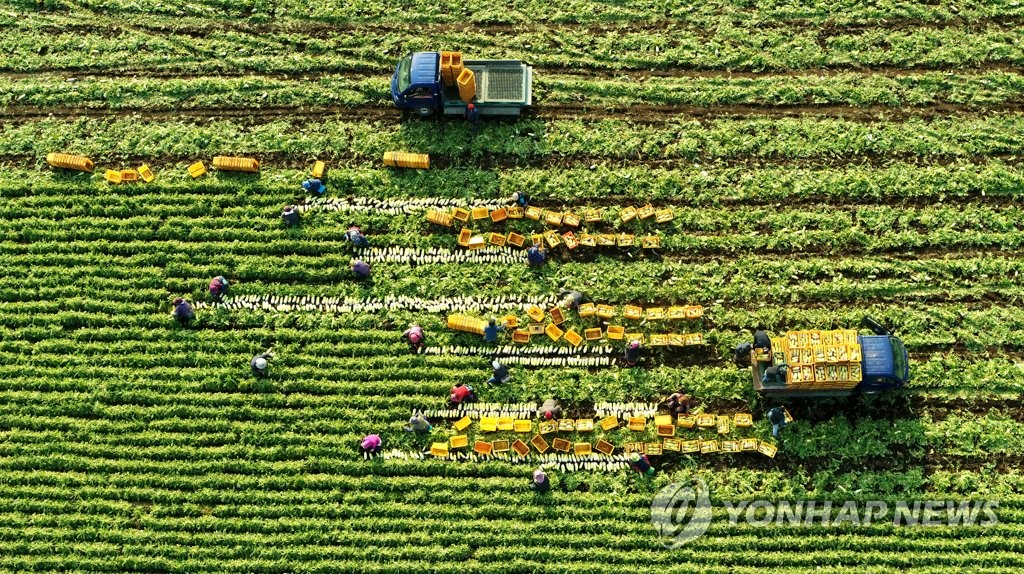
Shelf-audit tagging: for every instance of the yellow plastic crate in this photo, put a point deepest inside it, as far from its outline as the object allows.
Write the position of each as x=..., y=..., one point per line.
x=660, y=420
x=506, y=423
x=129, y=175
x=659, y=340
x=488, y=424
x=554, y=332
x=511, y=321
x=571, y=219
x=637, y=423
x=540, y=444
x=516, y=239
x=534, y=213
x=535, y=313
x=480, y=213
x=462, y=214
x=593, y=334
x=627, y=214
x=573, y=337
x=689, y=446
x=197, y=169
x=318, y=170
x=582, y=448
x=459, y=441
x=706, y=421
x=667, y=430
x=463, y=424
x=588, y=239
x=675, y=313
x=664, y=215
x=440, y=218
x=482, y=447
x=500, y=446
x=439, y=449
x=520, y=336
x=652, y=448
x=645, y=211
x=521, y=448
x=604, y=447
x=557, y=317
x=676, y=340
x=609, y=422
x=146, y=173
x=626, y=240
x=515, y=212
x=552, y=239
x=606, y=240
x=500, y=214
x=586, y=310
x=633, y=312
x=743, y=420
x=592, y=215
x=655, y=313
x=615, y=332
x=113, y=176
x=686, y=421
x=553, y=218
x=605, y=311
x=522, y=425
x=748, y=444
x=584, y=425
x=466, y=82
x=548, y=427
x=566, y=425
x=707, y=446
x=767, y=449
x=722, y=423
x=496, y=239
x=730, y=446
x=560, y=444
x=672, y=444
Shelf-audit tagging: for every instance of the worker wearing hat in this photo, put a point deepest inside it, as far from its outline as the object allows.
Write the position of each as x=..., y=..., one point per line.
x=641, y=464
x=541, y=483
x=414, y=336
x=182, y=311
x=260, y=364
x=550, y=409
x=218, y=287
x=632, y=354
x=501, y=374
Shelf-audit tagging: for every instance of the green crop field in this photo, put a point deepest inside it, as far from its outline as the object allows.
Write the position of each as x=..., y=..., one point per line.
x=821, y=160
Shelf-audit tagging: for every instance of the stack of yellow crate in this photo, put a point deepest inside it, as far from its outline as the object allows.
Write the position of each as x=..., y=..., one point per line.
x=820, y=359
x=464, y=323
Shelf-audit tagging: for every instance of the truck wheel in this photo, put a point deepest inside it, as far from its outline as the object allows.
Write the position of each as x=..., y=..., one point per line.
x=424, y=112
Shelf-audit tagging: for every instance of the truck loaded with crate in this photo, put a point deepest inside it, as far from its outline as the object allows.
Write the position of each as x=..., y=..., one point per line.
x=832, y=363
x=428, y=83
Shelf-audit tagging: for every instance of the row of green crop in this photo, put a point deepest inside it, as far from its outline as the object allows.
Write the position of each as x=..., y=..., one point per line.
x=820, y=139
x=59, y=195
x=294, y=15
x=732, y=47
x=255, y=92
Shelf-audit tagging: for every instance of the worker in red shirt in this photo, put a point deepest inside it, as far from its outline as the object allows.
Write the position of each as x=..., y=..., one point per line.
x=218, y=287
x=461, y=394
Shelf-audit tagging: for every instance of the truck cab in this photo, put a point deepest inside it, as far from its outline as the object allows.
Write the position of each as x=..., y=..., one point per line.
x=416, y=84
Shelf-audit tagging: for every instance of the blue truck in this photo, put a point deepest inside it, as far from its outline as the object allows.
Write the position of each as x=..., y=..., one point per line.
x=877, y=362
x=503, y=87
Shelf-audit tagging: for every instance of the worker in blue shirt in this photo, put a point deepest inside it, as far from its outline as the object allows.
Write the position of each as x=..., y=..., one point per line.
x=491, y=331
x=777, y=417
x=290, y=216
x=183, y=311
x=536, y=256
x=520, y=199
x=314, y=186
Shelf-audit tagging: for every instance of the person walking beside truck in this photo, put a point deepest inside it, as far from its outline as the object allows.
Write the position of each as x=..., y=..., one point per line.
x=473, y=117
x=777, y=417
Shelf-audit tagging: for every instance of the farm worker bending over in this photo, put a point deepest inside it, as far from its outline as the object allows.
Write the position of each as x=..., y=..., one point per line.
x=370, y=444
x=632, y=354
x=501, y=374
x=550, y=409
x=572, y=299
x=418, y=423
x=520, y=199
x=641, y=464
x=473, y=117
x=491, y=331
x=361, y=269
x=414, y=335
x=314, y=186
x=775, y=375
x=777, y=417
x=355, y=235
x=290, y=215
x=218, y=287
x=260, y=364
x=535, y=255
x=462, y=394
x=183, y=311
x=541, y=484
x=679, y=404
x=762, y=341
